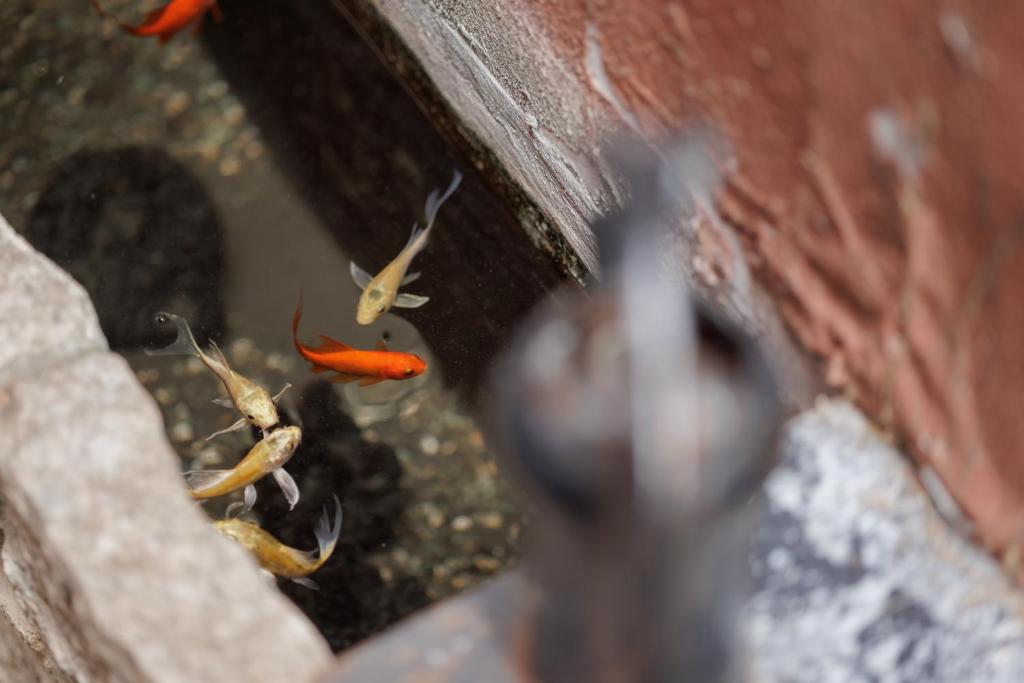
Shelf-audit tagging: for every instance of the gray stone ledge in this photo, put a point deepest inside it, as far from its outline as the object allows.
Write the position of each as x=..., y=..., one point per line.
x=107, y=570
x=861, y=580
x=44, y=314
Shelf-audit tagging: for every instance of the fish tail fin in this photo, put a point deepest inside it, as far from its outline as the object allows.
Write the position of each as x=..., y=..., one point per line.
x=434, y=202
x=418, y=238
x=327, y=534
x=218, y=353
x=199, y=481
x=184, y=345
x=99, y=9
x=413, y=236
x=127, y=28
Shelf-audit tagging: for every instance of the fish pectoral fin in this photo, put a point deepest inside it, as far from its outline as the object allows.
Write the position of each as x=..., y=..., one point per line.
x=248, y=498
x=381, y=345
x=277, y=397
x=201, y=479
x=307, y=582
x=370, y=381
x=233, y=428
x=245, y=505
x=411, y=277
x=359, y=276
x=288, y=486
x=410, y=301
x=344, y=378
x=319, y=368
x=224, y=402
x=240, y=507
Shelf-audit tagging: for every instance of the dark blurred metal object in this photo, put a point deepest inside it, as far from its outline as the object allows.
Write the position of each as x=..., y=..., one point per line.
x=642, y=427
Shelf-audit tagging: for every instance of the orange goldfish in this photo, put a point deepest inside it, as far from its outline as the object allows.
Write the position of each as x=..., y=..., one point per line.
x=353, y=365
x=164, y=22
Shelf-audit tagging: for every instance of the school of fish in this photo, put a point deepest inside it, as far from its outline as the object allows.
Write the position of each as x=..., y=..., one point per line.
x=254, y=403
x=257, y=408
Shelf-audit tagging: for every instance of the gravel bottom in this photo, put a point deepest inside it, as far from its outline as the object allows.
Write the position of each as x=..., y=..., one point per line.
x=427, y=511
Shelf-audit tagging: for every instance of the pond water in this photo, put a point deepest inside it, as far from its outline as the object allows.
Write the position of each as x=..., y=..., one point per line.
x=219, y=175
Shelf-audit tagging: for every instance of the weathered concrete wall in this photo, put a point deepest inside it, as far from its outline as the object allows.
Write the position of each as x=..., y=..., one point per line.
x=874, y=188
x=107, y=571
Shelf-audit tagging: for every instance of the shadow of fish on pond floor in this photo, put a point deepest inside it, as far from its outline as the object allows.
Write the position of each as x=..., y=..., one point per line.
x=353, y=601
x=140, y=233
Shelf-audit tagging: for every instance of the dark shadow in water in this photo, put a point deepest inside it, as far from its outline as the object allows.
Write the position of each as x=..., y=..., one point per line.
x=353, y=601
x=365, y=157
x=139, y=232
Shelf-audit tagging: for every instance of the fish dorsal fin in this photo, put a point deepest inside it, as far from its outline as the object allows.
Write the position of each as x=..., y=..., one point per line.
x=327, y=345
x=153, y=16
x=360, y=276
x=381, y=345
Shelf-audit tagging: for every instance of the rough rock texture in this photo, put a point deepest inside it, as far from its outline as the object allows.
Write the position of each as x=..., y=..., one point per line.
x=859, y=579
x=107, y=571
x=874, y=186
x=855, y=579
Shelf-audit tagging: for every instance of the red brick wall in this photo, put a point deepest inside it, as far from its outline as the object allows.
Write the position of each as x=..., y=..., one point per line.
x=892, y=250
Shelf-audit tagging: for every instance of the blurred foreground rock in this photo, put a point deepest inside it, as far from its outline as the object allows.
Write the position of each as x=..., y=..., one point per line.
x=858, y=577
x=107, y=571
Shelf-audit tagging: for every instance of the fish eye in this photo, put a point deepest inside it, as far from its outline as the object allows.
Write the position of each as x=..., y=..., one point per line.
x=249, y=417
x=380, y=309
x=409, y=372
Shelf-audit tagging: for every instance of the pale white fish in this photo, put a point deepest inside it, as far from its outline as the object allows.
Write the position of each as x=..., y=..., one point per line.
x=254, y=402
x=380, y=292
x=269, y=456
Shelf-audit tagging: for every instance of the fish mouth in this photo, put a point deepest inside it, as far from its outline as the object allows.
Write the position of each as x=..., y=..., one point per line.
x=365, y=319
x=294, y=435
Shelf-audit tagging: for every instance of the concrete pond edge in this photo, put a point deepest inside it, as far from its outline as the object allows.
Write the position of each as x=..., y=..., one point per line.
x=108, y=571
